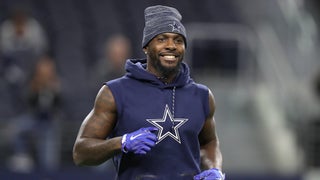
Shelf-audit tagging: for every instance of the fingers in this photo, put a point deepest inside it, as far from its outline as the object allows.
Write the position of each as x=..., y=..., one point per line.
x=151, y=137
x=214, y=174
x=147, y=139
x=198, y=177
x=148, y=133
x=140, y=141
x=141, y=149
x=152, y=130
x=202, y=175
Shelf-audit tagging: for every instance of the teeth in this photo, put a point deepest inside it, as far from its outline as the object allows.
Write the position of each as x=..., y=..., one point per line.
x=169, y=57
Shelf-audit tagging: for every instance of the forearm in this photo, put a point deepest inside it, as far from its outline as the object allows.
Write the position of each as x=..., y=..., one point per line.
x=89, y=151
x=211, y=156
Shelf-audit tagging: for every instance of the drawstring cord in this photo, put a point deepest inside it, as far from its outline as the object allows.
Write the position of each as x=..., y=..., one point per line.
x=173, y=99
x=173, y=103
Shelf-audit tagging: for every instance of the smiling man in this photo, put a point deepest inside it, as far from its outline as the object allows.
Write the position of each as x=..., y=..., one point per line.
x=155, y=121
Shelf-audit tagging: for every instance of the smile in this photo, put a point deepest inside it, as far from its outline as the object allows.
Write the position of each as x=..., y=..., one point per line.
x=170, y=57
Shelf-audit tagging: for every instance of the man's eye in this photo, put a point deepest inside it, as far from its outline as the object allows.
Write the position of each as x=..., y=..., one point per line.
x=179, y=41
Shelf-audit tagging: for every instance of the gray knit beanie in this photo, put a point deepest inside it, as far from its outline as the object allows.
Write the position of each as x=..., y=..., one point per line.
x=162, y=19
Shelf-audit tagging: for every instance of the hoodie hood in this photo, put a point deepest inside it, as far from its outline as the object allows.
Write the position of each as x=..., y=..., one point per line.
x=136, y=69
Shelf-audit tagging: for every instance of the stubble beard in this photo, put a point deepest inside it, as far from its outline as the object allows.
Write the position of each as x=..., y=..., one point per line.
x=164, y=72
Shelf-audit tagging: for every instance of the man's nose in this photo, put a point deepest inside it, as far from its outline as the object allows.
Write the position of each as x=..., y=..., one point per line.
x=171, y=44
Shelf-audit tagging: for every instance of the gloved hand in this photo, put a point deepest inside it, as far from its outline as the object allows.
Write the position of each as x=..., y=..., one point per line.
x=211, y=174
x=140, y=141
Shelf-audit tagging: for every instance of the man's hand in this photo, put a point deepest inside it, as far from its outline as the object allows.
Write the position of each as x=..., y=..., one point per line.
x=211, y=174
x=140, y=141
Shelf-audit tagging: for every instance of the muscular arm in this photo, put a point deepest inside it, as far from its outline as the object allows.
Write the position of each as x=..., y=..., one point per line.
x=91, y=146
x=210, y=151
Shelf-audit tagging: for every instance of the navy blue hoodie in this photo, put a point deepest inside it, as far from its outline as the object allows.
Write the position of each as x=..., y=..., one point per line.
x=178, y=110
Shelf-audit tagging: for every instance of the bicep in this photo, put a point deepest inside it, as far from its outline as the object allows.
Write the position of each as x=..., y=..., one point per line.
x=208, y=132
x=102, y=118
x=209, y=142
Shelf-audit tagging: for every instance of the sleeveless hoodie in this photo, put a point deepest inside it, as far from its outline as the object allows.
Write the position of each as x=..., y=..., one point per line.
x=178, y=110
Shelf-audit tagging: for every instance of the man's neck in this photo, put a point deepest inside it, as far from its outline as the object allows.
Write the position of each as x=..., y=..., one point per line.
x=167, y=79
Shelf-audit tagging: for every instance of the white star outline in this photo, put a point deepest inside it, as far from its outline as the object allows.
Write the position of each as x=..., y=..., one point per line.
x=175, y=27
x=166, y=113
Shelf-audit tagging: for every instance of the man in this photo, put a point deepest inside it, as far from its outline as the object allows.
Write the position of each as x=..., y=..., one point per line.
x=155, y=121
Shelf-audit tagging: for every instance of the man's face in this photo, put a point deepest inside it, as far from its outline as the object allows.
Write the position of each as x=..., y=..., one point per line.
x=165, y=53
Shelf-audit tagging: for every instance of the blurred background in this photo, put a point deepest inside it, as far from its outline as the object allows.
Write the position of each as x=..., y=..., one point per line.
x=259, y=57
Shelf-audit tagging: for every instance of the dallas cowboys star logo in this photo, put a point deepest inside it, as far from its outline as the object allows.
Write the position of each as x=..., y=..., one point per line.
x=174, y=123
x=175, y=27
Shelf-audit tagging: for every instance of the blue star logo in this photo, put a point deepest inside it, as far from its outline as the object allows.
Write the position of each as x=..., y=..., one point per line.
x=175, y=123
x=175, y=27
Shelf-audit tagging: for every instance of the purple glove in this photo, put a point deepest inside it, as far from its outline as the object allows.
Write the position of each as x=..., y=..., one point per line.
x=140, y=141
x=211, y=174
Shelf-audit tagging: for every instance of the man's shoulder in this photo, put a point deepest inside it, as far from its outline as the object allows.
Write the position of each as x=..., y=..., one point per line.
x=120, y=79
x=198, y=85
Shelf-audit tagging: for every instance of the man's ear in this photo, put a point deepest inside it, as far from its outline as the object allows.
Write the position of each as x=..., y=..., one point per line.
x=145, y=50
